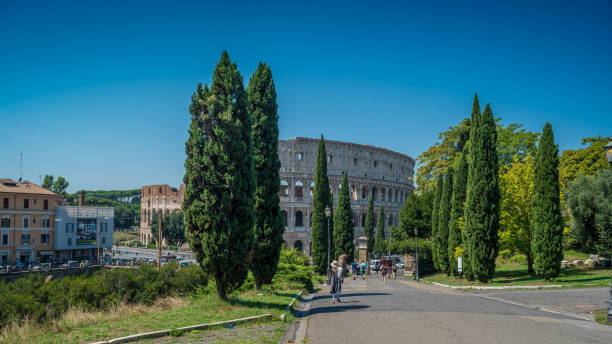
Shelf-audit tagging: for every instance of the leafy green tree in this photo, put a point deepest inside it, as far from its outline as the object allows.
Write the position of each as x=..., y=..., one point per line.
x=590, y=201
x=481, y=219
x=435, y=220
x=516, y=189
x=514, y=143
x=369, y=227
x=547, y=242
x=173, y=229
x=455, y=224
x=48, y=182
x=320, y=200
x=416, y=213
x=588, y=161
x=269, y=228
x=380, y=243
x=343, y=223
x=443, y=221
x=219, y=178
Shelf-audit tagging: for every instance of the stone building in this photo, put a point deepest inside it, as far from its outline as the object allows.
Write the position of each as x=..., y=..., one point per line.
x=156, y=198
x=372, y=171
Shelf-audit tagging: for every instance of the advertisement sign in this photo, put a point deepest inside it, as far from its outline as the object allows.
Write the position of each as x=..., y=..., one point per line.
x=86, y=232
x=460, y=264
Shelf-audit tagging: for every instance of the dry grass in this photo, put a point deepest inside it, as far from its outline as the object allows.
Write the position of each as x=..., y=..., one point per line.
x=28, y=330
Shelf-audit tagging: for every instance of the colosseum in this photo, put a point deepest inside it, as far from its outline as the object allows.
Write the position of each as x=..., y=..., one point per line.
x=372, y=171
x=156, y=198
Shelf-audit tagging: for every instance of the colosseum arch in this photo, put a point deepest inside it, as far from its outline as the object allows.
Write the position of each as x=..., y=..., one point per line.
x=396, y=200
x=298, y=245
x=364, y=192
x=363, y=218
x=390, y=195
x=375, y=193
x=284, y=188
x=353, y=192
x=299, y=189
x=391, y=222
x=299, y=219
x=311, y=188
x=284, y=216
x=383, y=193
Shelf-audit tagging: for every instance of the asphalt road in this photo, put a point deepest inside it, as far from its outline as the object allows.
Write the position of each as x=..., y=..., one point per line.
x=130, y=252
x=407, y=312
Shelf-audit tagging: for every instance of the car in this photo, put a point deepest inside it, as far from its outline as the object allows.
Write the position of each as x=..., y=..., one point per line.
x=186, y=263
x=37, y=267
x=71, y=264
x=400, y=265
x=19, y=266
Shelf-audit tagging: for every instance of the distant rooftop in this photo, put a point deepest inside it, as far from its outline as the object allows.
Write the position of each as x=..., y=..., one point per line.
x=26, y=187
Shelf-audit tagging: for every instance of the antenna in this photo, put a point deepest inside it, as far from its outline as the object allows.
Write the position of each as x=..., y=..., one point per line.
x=20, y=167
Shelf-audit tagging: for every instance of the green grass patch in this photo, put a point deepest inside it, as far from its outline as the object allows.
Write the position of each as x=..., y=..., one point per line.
x=124, y=236
x=572, y=255
x=601, y=317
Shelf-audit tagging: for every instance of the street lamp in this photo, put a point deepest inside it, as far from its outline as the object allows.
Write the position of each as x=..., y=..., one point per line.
x=416, y=252
x=608, y=150
x=328, y=216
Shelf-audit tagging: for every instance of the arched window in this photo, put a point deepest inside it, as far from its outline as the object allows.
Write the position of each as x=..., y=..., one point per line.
x=284, y=188
x=299, y=189
x=284, y=215
x=390, y=195
x=391, y=222
x=363, y=217
x=311, y=188
x=299, y=221
x=364, y=192
x=298, y=245
x=383, y=194
x=310, y=222
x=396, y=200
x=354, y=192
x=375, y=193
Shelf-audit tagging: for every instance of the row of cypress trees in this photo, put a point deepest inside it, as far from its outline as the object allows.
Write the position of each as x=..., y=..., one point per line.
x=465, y=216
x=231, y=204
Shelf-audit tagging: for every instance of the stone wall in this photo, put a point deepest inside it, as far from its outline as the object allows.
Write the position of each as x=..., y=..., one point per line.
x=156, y=198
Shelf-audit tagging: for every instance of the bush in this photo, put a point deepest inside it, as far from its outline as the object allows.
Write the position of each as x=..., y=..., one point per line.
x=518, y=259
x=294, y=256
x=292, y=276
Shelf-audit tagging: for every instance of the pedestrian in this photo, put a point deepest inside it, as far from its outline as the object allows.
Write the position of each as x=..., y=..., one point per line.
x=364, y=268
x=335, y=281
x=394, y=269
x=354, y=269
x=383, y=271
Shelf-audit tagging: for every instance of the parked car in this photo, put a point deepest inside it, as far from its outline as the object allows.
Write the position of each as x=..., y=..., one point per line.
x=186, y=263
x=71, y=264
x=400, y=265
x=19, y=266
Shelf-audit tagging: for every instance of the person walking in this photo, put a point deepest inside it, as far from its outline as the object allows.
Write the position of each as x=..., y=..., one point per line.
x=364, y=268
x=384, y=269
x=335, y=284
x=354, y=269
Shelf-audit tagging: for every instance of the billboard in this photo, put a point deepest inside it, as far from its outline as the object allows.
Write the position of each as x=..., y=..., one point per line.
x=86, y=232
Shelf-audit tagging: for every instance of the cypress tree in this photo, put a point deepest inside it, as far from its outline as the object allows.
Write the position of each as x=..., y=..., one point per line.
x=546, y=244
x=218, y=201
x=466, y=234
x=268, y=229
x=380, y=244
x=343, y=223
x=320, y=200
x=457, y=202
x=443, y=221
x=369, y=227
x=434, y=221
x=482, y=205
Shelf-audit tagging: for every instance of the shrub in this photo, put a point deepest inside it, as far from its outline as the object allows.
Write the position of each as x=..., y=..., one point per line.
x=518, y=259
x=294, y=256
x=292, y=275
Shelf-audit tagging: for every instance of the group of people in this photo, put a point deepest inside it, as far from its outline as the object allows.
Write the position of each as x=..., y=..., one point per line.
x=336, y=277
x=387, y=268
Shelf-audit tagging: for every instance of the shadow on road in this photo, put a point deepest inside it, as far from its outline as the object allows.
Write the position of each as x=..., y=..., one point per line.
x=345, y=295
x=335, y=309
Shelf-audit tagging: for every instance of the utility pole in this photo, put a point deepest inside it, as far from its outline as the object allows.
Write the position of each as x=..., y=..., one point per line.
x=159, y=240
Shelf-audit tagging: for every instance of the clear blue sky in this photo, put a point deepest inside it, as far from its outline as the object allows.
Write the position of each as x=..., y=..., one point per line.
x=98, y=91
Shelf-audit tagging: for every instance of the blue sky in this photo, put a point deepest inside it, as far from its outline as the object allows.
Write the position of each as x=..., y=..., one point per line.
x=98, y=91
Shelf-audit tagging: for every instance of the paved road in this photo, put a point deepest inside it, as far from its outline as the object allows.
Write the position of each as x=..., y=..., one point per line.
x=132, y=252
x=407, y=312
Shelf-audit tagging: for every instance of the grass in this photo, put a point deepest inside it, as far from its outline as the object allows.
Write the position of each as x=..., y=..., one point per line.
x=601, y=317
x=515, y=274
x=77, y=326
x=124, y=236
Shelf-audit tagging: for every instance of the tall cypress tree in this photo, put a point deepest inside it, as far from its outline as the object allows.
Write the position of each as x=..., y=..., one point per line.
x=467, y=232
x=434, y=221
x=443, y=221
x=268, y=230
x=456, y=215
x=369, y=227
x=482, y=206
x=343, y=223
x=546, y=244
x=380, y=244
x=219, y=197
x=320, y=200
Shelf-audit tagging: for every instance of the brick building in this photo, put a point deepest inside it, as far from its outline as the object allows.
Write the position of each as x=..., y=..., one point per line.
x=156, y=198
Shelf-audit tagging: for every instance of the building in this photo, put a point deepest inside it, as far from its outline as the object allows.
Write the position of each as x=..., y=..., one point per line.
x=27, y=222
x=156, y=198
x=82, y=231
x=372, y=171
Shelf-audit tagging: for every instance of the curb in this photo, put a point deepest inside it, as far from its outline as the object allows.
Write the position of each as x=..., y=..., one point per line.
x=284, y=315
x=546, y=286
x=163, y=333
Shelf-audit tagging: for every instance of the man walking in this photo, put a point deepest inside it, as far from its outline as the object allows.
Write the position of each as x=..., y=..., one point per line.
x=335, y=282
x=364, y=268
x=354, y=269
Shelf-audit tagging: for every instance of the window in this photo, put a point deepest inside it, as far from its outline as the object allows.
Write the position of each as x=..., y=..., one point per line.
x=69, y=241
x=298, y=219
x=26, y=203
x=375, y=164
x=69, y=227
x=35, y=201
x=329, y=159
x=355, y=161
x=5, y=239
x=104, y=227
x=284, y=215
x=160, y=189
x=45, y=222
x=299, y=156
x=26, y=222
x=5, y=203
x=6, y=222
x=103, y=240
x=46, y=204
x=34, y=220
x=25, y=239
x=44, y=238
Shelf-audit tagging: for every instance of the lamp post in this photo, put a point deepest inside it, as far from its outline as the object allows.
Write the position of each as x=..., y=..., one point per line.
x=608, y=149
x=416, y=252
x=328, y=215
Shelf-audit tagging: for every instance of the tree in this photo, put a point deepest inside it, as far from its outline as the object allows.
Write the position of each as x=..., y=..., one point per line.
x=455, y=224
x=443, y=221
x=369, y=227
x=547, y=242
x=416, y=213
x=173, y=228
x=481, y=219
x=60, y=186
x=514, y=143
x=343, y=223
x=320, y=200
x=590, y=201
x=219, y=178
x=588, y=161
x=269, y=228
x=380, y=243
x=434, y=220
x=48, y=182
x=516, y=189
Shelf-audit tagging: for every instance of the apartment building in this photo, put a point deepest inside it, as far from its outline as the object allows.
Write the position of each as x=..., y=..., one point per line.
x=27, y=222
x=82, y=232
